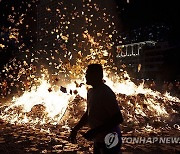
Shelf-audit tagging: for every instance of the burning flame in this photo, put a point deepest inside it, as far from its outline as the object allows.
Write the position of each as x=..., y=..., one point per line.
x=52, y=104
x=128, y=88
x=43, y=103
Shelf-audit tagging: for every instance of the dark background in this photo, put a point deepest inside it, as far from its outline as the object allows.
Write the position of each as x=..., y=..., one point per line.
x=133, y=15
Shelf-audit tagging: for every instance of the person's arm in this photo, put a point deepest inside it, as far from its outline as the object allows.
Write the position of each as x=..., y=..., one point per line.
x=79, y=125
x=115, y=120
x=82, y=122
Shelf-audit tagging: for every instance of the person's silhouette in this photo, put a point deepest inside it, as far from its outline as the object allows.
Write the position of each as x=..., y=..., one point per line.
x=103, y=115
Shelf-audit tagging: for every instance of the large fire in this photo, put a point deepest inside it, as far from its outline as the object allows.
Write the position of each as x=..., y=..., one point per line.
x=44, y=87
x=44, y=103
x=40, y=105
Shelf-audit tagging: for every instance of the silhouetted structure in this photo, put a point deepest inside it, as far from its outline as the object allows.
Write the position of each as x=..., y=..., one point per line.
x=150, y=60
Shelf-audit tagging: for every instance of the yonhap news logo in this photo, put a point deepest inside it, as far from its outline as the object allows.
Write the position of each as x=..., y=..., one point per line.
x=150, y=140
x=111, y=140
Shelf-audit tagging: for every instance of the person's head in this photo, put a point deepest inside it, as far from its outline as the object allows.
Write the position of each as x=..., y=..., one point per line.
x=94, y=74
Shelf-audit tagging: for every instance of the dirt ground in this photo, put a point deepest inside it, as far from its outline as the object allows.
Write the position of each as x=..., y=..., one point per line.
x=20, y=139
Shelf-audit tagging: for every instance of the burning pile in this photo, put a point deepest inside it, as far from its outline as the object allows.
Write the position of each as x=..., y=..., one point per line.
x=33, y=78
x=141, y=107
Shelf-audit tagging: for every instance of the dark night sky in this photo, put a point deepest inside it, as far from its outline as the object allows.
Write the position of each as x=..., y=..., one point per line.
x=11, y=13
x=137, y=13
x=133, y=14
x=140, y=13
x=144, y=12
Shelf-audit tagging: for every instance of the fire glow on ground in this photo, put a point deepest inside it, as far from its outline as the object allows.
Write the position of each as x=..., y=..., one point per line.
x=43, y=90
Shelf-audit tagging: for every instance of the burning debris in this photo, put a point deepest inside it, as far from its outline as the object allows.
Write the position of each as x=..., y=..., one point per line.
x=145, y=112
x=43, y=92
x=139, y=105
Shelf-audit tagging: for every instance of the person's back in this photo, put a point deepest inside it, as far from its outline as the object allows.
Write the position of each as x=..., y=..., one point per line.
x=103, y=114
x=101, y=106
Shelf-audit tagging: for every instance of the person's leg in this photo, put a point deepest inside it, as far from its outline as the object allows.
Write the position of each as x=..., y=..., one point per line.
x=96, y=148
x=102, y=148
x=113, y=150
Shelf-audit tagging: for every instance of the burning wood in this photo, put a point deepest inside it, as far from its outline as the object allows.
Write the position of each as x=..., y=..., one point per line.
x=139, y=105
x=38, y=107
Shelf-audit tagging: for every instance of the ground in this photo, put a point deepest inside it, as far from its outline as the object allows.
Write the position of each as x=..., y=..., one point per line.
x=24, y=139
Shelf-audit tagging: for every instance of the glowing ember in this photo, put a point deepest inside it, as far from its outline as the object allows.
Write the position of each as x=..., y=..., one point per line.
x=43, y=104
x=52, y=105
x=92, y=41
